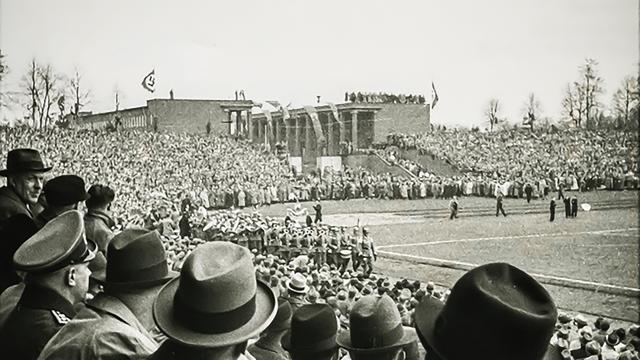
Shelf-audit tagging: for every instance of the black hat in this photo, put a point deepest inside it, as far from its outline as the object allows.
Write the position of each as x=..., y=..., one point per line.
x=135, y=258
x=313, y=329
x=61, y=242
x=24, y=160
x=375, y=326
x=64, y=190
x=514, y=314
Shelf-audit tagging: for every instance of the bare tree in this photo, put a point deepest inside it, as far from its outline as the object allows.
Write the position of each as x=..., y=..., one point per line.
x=492, y=111
x=591, y=86
x=81, y=97
x=40, y=87
x=580, y=103
x=532, y=110
x=624, y=100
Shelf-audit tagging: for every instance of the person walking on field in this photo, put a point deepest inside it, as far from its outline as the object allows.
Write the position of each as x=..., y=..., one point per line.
x=499, y=207
x=453, y=207
x=552, y=210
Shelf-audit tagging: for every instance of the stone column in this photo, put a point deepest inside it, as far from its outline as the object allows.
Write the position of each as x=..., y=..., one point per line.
x=296, y=141
x=276, y=123
x=342, y=128
x=354, y=129
x=330, y=151
x=229, y=123
x=249, y=127
x=260, y=132
x=307, y=134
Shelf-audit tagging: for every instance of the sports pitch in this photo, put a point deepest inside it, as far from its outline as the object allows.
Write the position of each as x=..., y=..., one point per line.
x=588, y=264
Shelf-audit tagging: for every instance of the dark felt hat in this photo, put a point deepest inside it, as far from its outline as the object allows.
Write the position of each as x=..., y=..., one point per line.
x=505, y=303
x=65, y=190
x=135, y=259
x=217, y=300
x=375, y=326
x=282, y=320
x=61, y=242
x=24, y=160
x=313, y=329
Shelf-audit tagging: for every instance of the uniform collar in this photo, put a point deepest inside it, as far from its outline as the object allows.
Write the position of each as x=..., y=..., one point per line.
x=40, y=297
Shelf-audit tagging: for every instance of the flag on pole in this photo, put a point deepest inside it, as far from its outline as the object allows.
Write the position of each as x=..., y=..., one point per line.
x=434, y=99
x=149, y=81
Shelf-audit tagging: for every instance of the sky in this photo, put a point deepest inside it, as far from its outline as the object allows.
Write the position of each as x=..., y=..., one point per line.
x=293, y=50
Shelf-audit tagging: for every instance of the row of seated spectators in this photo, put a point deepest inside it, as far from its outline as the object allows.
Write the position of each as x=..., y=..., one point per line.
x=385, y=98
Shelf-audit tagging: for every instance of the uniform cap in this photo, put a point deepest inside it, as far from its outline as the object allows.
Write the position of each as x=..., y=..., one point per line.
x=61, y=242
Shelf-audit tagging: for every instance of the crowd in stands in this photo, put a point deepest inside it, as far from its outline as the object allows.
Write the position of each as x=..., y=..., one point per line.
x=159, y=182
x=383, y=98
x=575, y=159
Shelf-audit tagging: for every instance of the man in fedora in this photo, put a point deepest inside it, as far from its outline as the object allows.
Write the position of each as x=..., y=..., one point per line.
x=313, y=333
x=25, y=176
x=55, y=260
x=516, y=316
x=62, y=193
x=118, y=322
x=214, y=307
x=297, y=290
x=268, y=347
x=376, y=330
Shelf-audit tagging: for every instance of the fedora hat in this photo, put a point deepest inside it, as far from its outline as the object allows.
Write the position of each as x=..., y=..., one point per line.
x=375, y=326
x=509, y=306
x=297, y=284
x=135, y=258
x=65, y=190
x=313, y=329
x=216, y=301
x=24, y=160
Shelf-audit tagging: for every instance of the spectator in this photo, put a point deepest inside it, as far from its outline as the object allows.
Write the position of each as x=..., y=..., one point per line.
x=218, y=302
x=98, y=220
x=510, y=305
x=313, y=333
x=62, y=193
x=376, y=330
x=25, y=175
x=269, y=346
x=118, y=322
x=56, y=262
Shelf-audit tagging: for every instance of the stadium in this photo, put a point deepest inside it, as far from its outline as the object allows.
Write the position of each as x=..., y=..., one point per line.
x=355, y=225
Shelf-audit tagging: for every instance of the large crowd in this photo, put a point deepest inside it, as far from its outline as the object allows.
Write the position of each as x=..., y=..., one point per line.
x=575, y=158
x=157, y=195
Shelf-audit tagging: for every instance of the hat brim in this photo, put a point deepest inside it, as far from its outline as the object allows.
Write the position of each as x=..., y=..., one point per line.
x=101, y=278
x=5, y=172
x=425, y=320
x=409, y=336
x=165, y=319
x=297, y=291
x=323, y=345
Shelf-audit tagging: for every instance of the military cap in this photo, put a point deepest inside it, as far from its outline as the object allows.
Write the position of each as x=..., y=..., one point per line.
x=61, y=242
x=65, y=190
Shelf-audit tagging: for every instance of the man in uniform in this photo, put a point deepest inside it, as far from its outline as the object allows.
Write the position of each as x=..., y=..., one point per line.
x=567, y=206
x=118, y=323
x=552, y=210
x=574, y=206
x=62, y=193
x=369, y=254
x=25, y=176
x=56, y=261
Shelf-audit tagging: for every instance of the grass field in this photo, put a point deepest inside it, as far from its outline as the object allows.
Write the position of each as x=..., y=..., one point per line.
x=588, y=264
